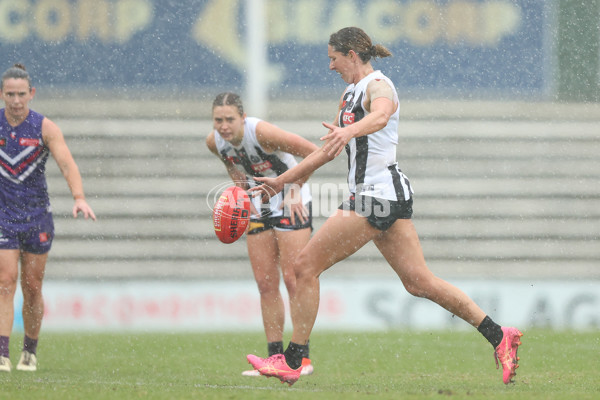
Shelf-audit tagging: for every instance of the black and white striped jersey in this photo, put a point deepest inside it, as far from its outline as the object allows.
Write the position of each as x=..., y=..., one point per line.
x=254, y=161
x=372, y=167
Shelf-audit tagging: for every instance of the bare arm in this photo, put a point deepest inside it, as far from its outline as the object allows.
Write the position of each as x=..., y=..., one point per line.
x=54, y=139
x=272, y=186
x=380, y=104
x=273, y=138
x=312, y=162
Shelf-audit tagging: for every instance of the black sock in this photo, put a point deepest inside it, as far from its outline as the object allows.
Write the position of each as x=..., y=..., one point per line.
x=491, y=331
x=307, y=349
x=30, y=344
x=295, y=353
x=275, y=348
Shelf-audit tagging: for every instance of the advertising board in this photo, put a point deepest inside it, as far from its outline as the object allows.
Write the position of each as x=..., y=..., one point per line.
x=444, y=47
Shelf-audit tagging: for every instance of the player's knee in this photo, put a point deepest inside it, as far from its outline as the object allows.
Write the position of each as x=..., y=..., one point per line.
x=8, y=284
x=306, y=277
x=268, y=285
x=302, y=268
x=31, y=289
x=302, y=262
x=419, y=287
x=289, y=279
x=414, y=289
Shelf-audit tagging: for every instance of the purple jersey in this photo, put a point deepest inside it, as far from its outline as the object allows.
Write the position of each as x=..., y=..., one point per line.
x=23, y=189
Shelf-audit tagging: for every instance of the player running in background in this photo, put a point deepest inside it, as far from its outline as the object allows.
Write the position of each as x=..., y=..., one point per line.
x=26, y=225
x=249, y=148
x=379, y=209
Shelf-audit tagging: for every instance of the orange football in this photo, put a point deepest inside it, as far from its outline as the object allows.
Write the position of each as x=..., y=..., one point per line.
x=231, y=214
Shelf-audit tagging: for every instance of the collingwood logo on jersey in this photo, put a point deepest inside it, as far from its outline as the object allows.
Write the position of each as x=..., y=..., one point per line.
x=348, y=117
x=262, y=167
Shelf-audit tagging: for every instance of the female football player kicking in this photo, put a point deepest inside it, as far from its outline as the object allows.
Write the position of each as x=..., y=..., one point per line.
x=379, y=209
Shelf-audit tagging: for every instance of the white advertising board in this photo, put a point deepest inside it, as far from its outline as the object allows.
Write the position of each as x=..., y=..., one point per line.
x=366, y=304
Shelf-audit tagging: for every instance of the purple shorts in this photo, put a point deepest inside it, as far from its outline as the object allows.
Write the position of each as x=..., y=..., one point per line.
x=36, y=238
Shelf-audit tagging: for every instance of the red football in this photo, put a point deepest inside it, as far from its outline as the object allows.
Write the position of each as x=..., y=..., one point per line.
x=231, y=214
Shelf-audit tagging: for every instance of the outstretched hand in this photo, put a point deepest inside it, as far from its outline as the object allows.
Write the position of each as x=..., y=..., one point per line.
x=269, y=188
x=337, y=138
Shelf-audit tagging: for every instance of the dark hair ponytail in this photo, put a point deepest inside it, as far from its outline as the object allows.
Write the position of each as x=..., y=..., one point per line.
x=353, y=38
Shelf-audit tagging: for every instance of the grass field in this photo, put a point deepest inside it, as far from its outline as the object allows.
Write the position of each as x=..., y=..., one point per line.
x=385, y=365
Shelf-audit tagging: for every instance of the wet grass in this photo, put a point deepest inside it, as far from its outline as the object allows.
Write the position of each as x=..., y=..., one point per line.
x=388, y=365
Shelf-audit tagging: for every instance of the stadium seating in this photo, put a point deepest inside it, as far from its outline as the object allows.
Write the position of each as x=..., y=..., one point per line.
x=493, y=198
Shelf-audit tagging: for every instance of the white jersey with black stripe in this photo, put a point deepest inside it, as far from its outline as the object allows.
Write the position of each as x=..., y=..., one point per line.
x=254, y=161
x=372, y=167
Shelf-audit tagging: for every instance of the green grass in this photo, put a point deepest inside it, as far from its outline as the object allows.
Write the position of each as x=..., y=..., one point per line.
x=386, y=365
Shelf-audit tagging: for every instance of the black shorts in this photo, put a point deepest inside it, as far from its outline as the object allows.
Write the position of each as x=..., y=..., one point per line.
x=380, y=213
x=281, y=223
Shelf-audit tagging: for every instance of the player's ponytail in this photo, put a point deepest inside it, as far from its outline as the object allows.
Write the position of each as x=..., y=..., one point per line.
x=353, y=38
